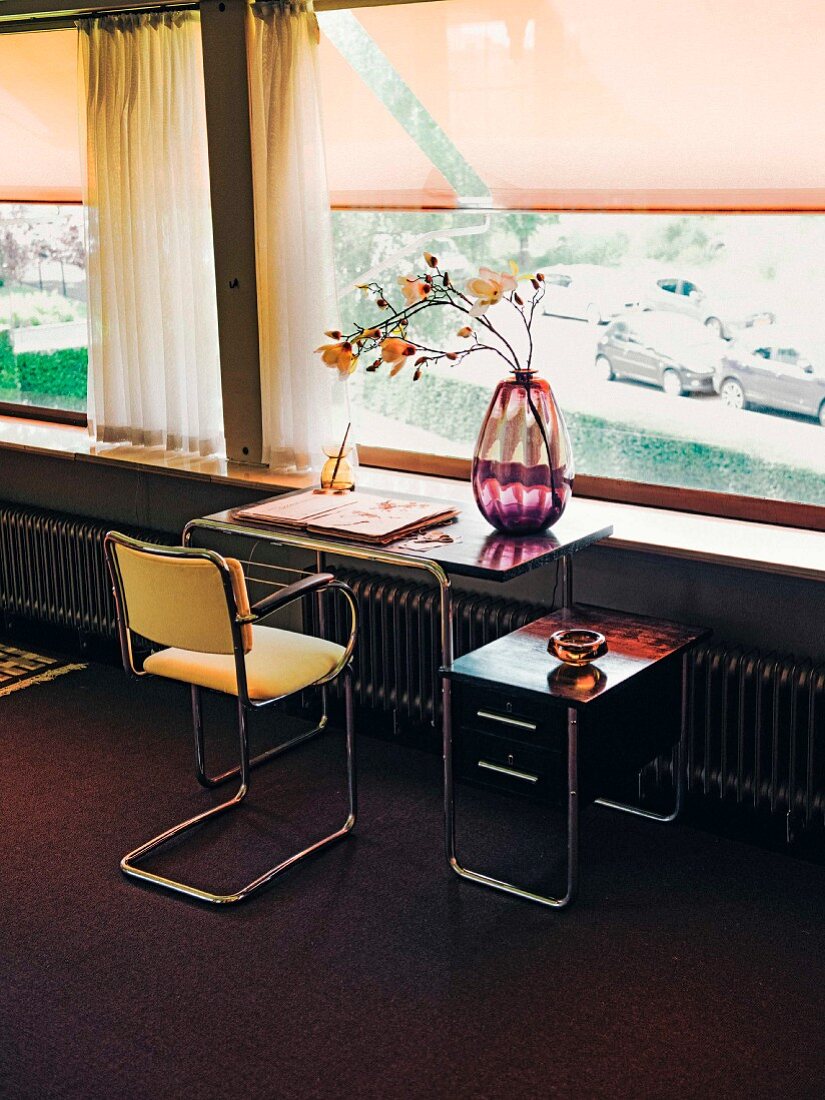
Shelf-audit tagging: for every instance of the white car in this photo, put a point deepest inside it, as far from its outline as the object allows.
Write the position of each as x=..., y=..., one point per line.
x=717, y=312
x=586, y=292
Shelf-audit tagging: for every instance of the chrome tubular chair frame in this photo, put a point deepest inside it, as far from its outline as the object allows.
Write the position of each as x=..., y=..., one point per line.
x=310, y=585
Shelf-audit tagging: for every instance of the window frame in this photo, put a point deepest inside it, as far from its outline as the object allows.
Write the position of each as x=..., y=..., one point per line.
x=43, y=412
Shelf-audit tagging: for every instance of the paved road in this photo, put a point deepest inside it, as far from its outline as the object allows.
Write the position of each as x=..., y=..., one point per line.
x=565, y=354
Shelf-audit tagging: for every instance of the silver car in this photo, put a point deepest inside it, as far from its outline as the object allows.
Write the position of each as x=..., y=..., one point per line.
x=672, y=352
x=772, y=373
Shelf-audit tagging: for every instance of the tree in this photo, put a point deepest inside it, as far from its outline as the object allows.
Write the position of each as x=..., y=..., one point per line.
x=13, y=256
x=685, y=239
x=524, y=227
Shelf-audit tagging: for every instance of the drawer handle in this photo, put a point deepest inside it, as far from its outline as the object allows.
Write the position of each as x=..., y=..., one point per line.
x=507, y=771
x=519, y=723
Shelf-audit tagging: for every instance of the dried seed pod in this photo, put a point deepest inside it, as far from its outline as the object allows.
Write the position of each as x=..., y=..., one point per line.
x=452, y=355
x=539, y=276
x=417, y=374
x=421, y=359
x=382, y=303
x=517, y=298
x=446, y=279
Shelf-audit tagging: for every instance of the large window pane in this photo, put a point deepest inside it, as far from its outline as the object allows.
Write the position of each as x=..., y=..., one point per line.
x=698, y=304
x=43, y=335
x=537, y=109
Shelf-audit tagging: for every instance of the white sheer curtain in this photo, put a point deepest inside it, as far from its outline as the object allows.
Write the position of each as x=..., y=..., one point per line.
x=154, y=375
x=302, y=405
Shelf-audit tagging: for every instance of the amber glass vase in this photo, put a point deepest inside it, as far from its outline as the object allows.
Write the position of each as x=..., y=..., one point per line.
x=523, y=461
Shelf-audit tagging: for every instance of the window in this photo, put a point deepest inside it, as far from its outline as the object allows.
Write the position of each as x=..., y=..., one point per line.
x=43, y=335
x=537, y=133
x=43, y=340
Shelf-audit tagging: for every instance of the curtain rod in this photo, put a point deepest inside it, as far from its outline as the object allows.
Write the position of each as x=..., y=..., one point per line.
x=9, y=24
x=160, y=9
x=57, y=14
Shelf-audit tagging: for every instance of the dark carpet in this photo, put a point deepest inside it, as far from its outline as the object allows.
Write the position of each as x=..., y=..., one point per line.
x=691, y=965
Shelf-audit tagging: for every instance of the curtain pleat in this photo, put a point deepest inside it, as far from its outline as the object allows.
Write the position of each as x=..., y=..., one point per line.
x=302, y=405
x=154, y=377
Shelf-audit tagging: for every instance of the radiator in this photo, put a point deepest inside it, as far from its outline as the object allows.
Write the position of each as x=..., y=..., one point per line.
x=397, y=657
x=756, y=734
x=756, y=722
x=52, y=569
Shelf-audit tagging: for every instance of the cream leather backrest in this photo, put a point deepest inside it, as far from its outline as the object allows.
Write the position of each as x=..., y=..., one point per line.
x=179, y=601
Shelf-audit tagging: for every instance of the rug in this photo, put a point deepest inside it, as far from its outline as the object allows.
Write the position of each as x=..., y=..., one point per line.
x=20, y=668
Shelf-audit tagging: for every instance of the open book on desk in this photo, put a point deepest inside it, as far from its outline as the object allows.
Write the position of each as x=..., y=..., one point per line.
x=363, y=517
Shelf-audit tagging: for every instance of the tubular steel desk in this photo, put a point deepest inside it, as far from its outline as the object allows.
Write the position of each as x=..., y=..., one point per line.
x=478, y=552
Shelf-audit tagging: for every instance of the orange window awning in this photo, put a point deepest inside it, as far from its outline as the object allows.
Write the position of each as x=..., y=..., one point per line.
x=39, y=137
x=588, y=104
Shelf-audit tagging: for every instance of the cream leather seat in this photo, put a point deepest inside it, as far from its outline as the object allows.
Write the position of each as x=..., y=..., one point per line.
x=194, y=604
x=279, y=663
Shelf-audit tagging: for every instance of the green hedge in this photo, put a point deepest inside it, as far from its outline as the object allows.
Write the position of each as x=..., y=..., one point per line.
x=8, y=371
x=455, y=409
x=57, y=373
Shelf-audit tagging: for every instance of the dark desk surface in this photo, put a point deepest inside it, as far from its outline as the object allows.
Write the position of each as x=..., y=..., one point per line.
x=479, y=551
x=520, y=661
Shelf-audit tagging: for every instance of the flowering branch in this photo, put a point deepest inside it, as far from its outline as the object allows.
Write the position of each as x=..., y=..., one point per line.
x=388, y=339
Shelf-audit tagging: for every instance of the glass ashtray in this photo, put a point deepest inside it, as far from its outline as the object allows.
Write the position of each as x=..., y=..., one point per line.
x=577, y=647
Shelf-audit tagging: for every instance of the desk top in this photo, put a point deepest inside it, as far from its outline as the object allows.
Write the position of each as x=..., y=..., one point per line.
x=477, y=550
x=520, y=661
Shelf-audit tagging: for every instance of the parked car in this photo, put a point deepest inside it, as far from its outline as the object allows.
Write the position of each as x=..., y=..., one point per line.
x=586, y=292
x=718, y=312
x=676, y=353
x=774, y=374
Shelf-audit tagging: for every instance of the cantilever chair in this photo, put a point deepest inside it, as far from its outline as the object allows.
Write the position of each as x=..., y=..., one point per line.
x=195, y=603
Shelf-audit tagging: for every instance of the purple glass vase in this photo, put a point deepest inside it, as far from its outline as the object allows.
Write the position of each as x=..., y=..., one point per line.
x=523, y=461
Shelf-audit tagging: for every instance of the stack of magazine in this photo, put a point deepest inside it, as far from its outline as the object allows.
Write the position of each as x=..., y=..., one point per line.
x=364, y=517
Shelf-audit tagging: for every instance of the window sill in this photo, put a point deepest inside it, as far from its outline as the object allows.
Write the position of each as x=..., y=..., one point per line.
x=761, y=547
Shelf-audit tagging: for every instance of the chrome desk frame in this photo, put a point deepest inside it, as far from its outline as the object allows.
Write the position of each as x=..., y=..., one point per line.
x=321, y=547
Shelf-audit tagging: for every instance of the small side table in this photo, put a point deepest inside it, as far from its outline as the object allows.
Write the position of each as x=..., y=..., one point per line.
x=618, y=713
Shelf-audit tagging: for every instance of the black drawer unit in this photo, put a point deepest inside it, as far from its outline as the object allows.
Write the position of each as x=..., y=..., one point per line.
x=504, y=743
x=512, y=742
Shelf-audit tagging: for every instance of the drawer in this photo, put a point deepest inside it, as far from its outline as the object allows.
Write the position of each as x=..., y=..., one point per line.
x=509, y=716
x=509, y=765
